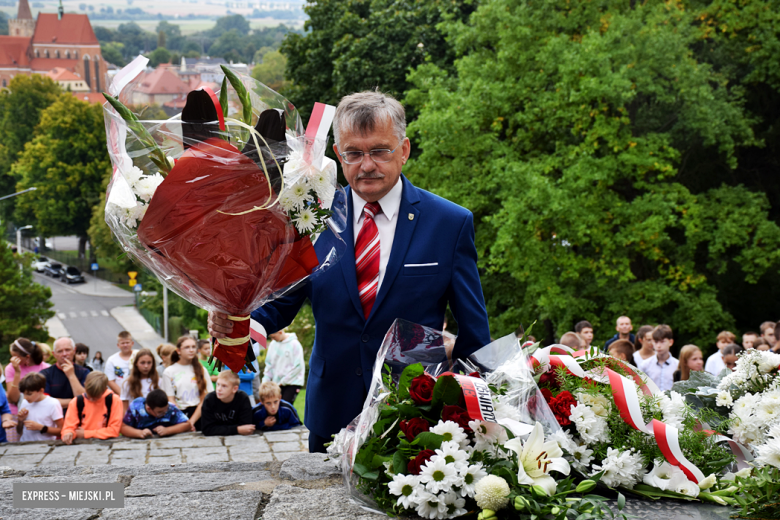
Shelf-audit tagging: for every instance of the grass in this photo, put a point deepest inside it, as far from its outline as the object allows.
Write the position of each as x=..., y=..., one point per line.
x=300, y=403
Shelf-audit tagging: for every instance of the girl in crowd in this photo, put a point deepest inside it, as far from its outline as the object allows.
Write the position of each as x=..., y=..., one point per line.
x=143, y=377
x=186, y=381
x=730, y=355
x=643, y=344
x=691, y=360
x=97, y=362
x=204, y=353
x=26, y=357
x=164, y=352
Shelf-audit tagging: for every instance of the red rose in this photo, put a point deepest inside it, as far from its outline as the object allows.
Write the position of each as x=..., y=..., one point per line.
x=416, y=463
x=549, y=379
x=547, y=394
x=421, y=390
x=457, y=415
x=561, y=407
x=413, y=427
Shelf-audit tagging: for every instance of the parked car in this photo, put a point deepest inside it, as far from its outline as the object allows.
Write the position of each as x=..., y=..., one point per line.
x=54, y=270
x=40, y=264
x=72, y=275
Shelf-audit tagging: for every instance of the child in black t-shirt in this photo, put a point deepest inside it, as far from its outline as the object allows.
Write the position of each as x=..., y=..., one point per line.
x=227, y=410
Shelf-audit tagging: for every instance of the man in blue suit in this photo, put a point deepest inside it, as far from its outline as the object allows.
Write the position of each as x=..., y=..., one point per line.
x=415, y=254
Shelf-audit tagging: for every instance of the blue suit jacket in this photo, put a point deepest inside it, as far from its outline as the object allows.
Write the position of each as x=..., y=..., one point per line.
x=430, y=230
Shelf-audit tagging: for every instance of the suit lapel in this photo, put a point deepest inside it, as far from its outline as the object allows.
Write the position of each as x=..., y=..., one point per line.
x=348, y=258
x=404, y=230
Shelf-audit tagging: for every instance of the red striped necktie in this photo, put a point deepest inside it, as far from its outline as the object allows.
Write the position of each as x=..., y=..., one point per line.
x=367, y=258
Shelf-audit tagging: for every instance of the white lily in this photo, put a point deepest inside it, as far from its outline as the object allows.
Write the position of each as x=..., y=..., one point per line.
x=536, y=459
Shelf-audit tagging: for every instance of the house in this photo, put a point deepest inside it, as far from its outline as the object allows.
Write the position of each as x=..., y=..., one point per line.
x=160, y=86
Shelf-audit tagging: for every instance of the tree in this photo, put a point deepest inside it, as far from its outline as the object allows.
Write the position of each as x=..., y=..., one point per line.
x=231, y=41
x=158, y=56
x=353, y=46
x=24, y=304
x=21, y=105
x=229, y=23
x=568, y=132
x=112, y=53
x=271, y=71
x=67, y=161
x=160, y=39
x=3, y=23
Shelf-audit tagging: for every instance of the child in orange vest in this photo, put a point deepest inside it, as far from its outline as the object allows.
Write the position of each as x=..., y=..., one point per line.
x=95, y=414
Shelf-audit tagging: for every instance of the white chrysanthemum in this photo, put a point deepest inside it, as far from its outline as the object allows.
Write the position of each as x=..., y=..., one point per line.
x=504, y=410
x=769, y=453
x=768, y=361
x=452, y=454
x=146, y=186
x=746, y=404
x=581, y=458
x=430, y=505
x=454, y=503
x=591, y=427
x=724, y=398
x=451, y=432
x=673, y=409
x=404, y=486
x=306, y=221
x=470, y=476
x=286, y=202
x=768, y=411
x=746, y=429
x=133, y=175
x=564, y=440
x=324, y=187
x=298, y=194
x=492, y=493
x=621, y=468
x=487, y=434
x=597, y=402
x=437, y=475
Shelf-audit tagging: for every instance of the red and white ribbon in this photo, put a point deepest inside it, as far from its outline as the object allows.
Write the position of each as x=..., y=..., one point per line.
x=257, y=333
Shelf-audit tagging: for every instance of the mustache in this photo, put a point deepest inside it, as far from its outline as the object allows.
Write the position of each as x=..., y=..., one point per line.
x=370, y=175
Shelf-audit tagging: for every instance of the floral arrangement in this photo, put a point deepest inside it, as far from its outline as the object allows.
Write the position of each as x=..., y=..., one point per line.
x=224, y=202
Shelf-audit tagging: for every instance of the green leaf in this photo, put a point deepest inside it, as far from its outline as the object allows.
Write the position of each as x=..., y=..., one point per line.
x=446, y=392
x=400, y=462
x=428, y=440
x=405, y=381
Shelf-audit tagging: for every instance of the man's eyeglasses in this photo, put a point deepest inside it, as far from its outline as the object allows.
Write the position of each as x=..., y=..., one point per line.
x=381, y=155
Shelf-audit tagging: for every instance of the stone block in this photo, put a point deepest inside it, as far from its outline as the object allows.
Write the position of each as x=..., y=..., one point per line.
x=248, y=443
x=309, y=466
x=172, y=483
x=25, y=449
x=129, y=457
x=21, y=461
x=186, y=442
x=285, y=455
x=239, y=505
x=59, y=458
x=93, y=458
x=250, y=456
x=277, y=447
x=7, y=512
x=294, y=503
x=205, y=454
x=166, y=459
x=281, y=437
x=138, y=445
x=156, y=452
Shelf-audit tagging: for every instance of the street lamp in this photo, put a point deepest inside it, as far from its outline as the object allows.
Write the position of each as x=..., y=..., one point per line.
x=2, y=229
x=19, y=238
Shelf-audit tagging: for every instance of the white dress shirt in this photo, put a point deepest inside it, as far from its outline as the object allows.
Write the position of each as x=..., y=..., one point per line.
x=662, y=374
x=715, y=364
x=385, y=223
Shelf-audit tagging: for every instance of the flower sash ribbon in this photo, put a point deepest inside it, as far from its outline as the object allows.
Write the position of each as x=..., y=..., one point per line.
x=627, y=402
x=476, y=393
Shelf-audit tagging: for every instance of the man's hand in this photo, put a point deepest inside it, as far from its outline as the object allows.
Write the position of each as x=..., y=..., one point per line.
x=79, y=433
x=246, y=429
x=32, y=425
x=22, y=415
x=146, y=433
x=270, y=421
x=219, y=324
x=15, y=362
x=67, y=368
x=9, y=423
x=162, y=431
x=67, y=438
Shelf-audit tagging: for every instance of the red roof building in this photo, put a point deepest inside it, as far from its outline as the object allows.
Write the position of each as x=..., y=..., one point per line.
x=159, y=87
x=54, y=40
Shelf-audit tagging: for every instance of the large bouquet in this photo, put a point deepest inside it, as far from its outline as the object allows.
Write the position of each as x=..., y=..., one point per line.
x=440, y=438
x=224, y=202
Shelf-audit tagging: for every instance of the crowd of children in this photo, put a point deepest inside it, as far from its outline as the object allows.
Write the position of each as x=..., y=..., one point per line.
x=132, y=395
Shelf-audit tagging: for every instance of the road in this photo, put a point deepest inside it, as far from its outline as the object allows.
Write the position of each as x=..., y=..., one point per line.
x=85, y=316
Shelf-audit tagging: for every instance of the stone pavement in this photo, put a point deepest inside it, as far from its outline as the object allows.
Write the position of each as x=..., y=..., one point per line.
x=178, y=449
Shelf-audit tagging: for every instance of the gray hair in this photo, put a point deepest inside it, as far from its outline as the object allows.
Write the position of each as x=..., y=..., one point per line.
x=65, y=338
x=361, y=112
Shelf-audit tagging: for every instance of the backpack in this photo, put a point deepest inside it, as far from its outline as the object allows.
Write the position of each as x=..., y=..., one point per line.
x=80, y=407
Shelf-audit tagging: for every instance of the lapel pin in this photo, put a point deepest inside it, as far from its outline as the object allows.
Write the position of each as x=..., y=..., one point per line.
x=411, y=216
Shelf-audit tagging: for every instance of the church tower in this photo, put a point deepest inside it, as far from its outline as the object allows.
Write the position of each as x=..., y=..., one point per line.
x=23, y=25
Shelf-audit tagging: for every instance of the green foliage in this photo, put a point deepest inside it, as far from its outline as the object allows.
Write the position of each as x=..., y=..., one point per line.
x=158, y=56
x=67, y=161
x=234, y=22
x=21, y=105
x=112, y=53
x=24, y=304
x=758, y=494
x=271, y=71
x=3, y=23
x=567, y=132
x=353, y=46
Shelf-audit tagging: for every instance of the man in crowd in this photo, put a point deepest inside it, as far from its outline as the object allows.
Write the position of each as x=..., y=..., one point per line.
x=64, y=379
x=409, y=254
x=623, y=328
x=585, y=330
x=748, y=339
x=768, y=333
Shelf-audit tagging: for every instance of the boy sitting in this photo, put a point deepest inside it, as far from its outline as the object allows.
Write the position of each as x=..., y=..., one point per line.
x=227, y=410
x=154, y=414
x=622, y=349
x=273, y=413
x=40, y=415
x=95, y=414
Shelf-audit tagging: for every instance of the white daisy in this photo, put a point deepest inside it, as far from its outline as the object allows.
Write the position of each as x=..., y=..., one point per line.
x=591, y=427
x=581, y=457
x=455, y=504
x=769, y=453
x=451, y=432
x=437, y=475
x=452, y=454
x=404, y=486
x=306, y=221
x=299, y=194
x=768, y=411
x=621, y=468
x=724, y=398
x=430, y=505
x=146, y=186
x=286, y=202
x=487, y=434
x=470, y=475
